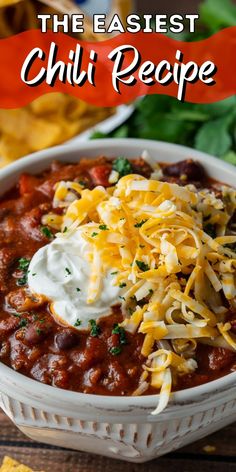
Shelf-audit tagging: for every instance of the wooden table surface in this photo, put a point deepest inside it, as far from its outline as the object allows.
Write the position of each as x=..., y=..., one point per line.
x=50, y=459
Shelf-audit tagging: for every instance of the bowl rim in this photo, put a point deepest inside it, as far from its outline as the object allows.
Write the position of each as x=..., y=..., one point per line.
x=147, y=401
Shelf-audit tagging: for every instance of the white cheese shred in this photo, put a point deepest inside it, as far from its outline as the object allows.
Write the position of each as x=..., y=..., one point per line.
x=155, y=236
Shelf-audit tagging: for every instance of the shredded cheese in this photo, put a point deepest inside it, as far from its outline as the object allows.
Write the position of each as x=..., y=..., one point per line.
x=154, y=233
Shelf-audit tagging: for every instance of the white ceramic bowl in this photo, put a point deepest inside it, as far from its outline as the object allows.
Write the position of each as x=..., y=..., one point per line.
x=119, y=427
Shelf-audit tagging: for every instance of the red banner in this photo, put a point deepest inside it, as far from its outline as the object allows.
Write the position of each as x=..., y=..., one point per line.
x=118, y=70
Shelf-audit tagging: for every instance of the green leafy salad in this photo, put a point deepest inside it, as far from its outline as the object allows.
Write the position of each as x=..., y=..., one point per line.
x=209, y=128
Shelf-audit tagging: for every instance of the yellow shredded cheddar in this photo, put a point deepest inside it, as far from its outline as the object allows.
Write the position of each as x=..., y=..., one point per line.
x=154, y=234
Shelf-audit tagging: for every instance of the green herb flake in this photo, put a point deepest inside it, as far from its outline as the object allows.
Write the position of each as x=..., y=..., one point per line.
x=142, y=266
x=122, y=166
x=94, y=234
x=121, y=331
x=39, y=331
x=23, y=322
x=141, y=223
x=95, y=329
x=122, y=285
x=46, y=232
x=65, y=229
x=78, y=289
x=22, y=281
x=67, y=271
x=77, y=323
x=103, y=227
x=114, y=273
x=115, y=351
x=23, y=264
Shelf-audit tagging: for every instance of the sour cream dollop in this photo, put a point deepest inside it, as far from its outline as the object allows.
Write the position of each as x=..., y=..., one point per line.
x=60, y=271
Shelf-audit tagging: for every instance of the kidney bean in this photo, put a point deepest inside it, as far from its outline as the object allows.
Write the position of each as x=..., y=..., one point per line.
x=35, y=333
x=191, y=169
x=141, y=167
x=94, y=352
x=220, y=358
x=66, y=339
x=21, y=300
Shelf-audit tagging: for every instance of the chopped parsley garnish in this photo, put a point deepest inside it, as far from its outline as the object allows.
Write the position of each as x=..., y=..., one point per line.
x=22, y=281
x=68, y=271
x=23, y=323
x=122, y=285
x=95, y=329
x=46, y=232
x=115, y=351
x=65, y=229
x=94, y=234
x=23, y=265
x=114, y=273
x=151, y=291
x=142, y=266
x=39, y=331
x=122, y=166
x=103, y=227
x=210, y=230
x=78, y=289
x=141, y=223
x=77, y=323
x=122, y=298
x=82, y=183
x=121, y=331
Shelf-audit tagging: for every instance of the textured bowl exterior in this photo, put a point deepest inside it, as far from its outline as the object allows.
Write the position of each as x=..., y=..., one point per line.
x=118, y=427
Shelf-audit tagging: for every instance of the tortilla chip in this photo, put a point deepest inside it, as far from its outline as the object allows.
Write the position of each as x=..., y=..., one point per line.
x=11, y=465
x=6, y=3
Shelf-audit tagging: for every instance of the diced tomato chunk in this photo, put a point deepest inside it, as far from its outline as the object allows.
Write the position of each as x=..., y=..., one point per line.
x=214, y=358
x=100, y=175
x=220, y=358
x=27, y=184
